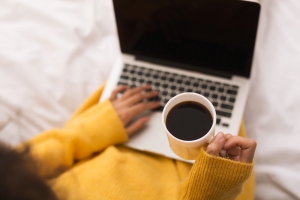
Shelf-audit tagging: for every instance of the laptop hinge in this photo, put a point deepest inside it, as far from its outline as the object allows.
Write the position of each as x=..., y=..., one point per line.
x=185, y=67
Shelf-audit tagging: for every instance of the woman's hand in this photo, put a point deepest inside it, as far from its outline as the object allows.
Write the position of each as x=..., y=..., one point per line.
x=132, y=103
x=238, y=148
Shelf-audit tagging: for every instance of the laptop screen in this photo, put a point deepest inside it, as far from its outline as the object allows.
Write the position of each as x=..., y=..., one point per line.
x=211, y=36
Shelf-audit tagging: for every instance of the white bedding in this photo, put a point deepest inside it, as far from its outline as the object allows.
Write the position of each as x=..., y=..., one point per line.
x=53, y=54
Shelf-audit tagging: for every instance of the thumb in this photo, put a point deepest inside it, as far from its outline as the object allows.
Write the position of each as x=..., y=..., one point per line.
x=216, y=145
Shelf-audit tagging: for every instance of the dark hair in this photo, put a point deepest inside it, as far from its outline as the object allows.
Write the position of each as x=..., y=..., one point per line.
x=18, y=177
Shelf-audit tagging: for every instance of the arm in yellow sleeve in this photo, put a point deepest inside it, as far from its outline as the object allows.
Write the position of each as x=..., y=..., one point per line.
x=214, y=178
x=218, y=178
x=92, y=128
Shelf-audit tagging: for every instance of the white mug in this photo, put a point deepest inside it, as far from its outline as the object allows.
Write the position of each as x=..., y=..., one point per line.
x=189, y=149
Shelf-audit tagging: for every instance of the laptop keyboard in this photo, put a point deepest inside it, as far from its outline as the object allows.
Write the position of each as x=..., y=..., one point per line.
x=169, y=85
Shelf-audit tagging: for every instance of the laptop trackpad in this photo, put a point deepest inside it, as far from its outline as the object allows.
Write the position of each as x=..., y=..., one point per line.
x=152, y=138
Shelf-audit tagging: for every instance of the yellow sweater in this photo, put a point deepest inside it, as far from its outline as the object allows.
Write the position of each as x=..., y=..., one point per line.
x=85, y=160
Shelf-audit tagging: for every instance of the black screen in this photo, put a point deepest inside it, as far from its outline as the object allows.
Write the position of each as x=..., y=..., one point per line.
x=213, y=36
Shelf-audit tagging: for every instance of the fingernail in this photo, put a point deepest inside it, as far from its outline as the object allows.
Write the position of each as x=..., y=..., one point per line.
x=219, y=136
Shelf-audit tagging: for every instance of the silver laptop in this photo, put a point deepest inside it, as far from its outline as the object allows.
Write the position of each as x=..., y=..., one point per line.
x=202, y=46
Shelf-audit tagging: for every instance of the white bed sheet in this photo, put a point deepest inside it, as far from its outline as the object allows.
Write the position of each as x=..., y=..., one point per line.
x=53, y=54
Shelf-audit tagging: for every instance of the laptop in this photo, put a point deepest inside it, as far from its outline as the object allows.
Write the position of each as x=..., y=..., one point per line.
x=201, y=46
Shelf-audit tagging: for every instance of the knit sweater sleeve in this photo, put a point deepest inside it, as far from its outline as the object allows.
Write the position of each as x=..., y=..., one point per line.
x=214, y=178
x=93, y=127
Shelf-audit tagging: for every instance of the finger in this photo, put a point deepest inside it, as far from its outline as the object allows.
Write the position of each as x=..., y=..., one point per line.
x=234, y=153
x=137, y=125
x=247, y=147
x=116, y=91
x=228, y=136
x=131, y=92
x=216, y=145
x=141, y=107
x=138, y=97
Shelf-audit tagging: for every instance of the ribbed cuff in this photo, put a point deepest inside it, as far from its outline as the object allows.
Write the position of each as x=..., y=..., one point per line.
x=216, y=178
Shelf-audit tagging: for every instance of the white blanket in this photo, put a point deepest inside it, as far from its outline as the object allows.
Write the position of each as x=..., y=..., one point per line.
x=53, y=54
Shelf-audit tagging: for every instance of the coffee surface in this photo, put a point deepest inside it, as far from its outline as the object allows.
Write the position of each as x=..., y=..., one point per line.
x=189, y=121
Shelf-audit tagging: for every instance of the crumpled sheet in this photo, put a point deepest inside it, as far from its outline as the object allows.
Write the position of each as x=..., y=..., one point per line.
x=53, y=54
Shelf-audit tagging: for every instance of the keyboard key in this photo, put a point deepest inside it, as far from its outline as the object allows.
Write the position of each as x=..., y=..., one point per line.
x=231, y=92
x=225, y=125
x=124, y=77
x=189, y=90
x=198, y=92
x=196, y=84
x=163, y=78
x=148, y=74
x=218, y=121
x=181, y=89
x=206, y=94
x=157, y=84
x=187, y=83
x=159, y=109
x=224, y=114
x=171, y=79
x=226, y=106
x=142, y=80
x=179, y=81
x=221, y=89
x=204, y=86
x=173, y=87
x=122, y=83
x=165, y=93
x=214, y=96
x=155, y=76
x=173, y=94
x=132, y=71
x=140, y=73
x=212, y=88
x=165, y=85
x=215, y=103
x=235, y=86
x=232, y=100
x=223, y=98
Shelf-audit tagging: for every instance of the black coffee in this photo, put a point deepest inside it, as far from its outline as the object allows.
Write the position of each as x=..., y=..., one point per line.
x=189, y=121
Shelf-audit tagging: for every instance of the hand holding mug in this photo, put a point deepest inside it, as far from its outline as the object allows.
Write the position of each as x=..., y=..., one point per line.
x=238, y=148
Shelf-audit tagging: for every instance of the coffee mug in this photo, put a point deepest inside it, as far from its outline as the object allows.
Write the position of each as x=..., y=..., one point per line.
x=188, y=148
